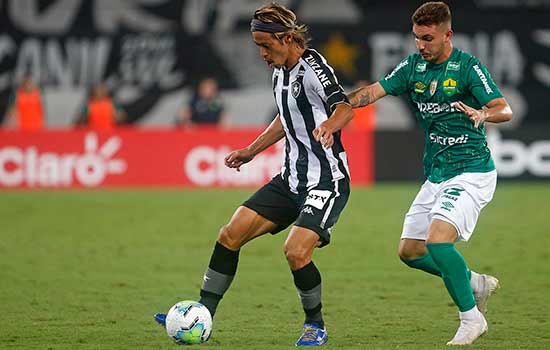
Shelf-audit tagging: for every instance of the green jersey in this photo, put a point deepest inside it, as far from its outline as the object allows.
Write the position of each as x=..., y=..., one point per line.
x=452, y=144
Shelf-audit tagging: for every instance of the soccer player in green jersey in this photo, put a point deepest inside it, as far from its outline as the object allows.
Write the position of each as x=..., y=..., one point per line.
x=453, y=96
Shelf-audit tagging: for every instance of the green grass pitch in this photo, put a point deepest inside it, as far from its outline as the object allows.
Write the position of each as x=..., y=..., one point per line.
x=88, y=269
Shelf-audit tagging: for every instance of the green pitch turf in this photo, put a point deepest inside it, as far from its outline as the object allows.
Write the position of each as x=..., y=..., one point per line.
x=87, y=270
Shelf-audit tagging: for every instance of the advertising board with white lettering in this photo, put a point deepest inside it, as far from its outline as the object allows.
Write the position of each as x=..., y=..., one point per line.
x=522, y=154
x=139, y=158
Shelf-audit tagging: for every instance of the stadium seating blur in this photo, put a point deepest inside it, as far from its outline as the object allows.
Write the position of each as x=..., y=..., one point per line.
x=151, y=56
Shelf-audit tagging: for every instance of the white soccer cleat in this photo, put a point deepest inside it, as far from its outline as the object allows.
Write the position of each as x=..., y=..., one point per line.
x=469, y=330
x=487, y=285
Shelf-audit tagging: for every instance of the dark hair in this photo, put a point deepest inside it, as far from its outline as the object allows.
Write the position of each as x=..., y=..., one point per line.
x=275, y=13
x=434, y=12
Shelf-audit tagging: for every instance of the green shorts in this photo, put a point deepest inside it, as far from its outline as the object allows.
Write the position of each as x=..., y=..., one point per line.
x=316, y=209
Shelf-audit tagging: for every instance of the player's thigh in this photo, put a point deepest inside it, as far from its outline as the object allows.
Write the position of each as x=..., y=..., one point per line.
x=244, y=225
x=417, y=220
x=321, y=206
x=276, y=203
x=460, y=201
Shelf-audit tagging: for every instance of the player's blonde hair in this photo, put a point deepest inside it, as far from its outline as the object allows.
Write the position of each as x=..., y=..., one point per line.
x=434, y=12
x=276, y=13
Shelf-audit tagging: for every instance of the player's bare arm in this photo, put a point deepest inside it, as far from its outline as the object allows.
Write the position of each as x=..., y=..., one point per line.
x=496, y=111
x=366, y=95
x=340, y=117
x=273, y=133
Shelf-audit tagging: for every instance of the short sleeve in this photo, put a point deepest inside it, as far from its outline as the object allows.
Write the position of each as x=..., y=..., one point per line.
x=396, y=83
x=323, y=80
x=481, y=84
x=332, y=95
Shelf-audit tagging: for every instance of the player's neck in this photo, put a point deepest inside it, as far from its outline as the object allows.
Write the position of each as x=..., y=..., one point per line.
x=447, y=51
x=294, y=57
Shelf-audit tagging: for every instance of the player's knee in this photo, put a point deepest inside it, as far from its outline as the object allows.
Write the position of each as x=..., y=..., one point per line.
x=229, y=238
x=296, y=256
x=441, y=231
x=408, y=251
x=405, y=253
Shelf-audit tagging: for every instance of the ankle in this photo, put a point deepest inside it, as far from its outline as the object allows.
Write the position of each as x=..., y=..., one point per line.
x=316, y=322
x=472, y=314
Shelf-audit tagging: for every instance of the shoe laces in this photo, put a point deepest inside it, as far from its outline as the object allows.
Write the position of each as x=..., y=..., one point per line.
x=310, y=334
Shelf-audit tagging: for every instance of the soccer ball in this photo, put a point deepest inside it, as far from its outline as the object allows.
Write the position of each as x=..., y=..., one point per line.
x=189, y=322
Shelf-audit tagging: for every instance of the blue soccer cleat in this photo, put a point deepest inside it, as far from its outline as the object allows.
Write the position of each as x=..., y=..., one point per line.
x=313, y=336
x=161, y=319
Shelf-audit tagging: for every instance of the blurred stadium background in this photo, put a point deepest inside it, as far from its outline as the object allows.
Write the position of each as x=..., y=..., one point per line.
x=93, y=266
x=151, y=55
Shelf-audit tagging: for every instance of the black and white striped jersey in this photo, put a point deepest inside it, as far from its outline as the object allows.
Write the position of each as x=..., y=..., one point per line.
x=306, y=95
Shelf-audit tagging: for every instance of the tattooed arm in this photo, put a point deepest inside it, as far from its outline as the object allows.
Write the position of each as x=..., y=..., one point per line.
x=366, y=95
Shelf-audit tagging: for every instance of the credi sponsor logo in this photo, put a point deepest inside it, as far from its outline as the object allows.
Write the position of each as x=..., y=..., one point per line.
x=441, y=140
x=205, y=166
x=27, y=166
x=514, y=157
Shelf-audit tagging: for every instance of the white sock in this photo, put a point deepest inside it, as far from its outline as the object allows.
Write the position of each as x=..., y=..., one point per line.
x=472, y=314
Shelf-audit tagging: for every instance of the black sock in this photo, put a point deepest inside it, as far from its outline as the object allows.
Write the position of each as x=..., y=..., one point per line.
x=218, y=277
x=308, y=282
x=210, y=300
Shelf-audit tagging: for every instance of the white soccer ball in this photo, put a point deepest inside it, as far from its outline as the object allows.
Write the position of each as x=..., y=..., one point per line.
x=189, y=322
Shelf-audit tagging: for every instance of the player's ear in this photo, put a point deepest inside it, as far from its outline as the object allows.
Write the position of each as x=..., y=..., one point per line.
x=449, y=34
x=288, y=38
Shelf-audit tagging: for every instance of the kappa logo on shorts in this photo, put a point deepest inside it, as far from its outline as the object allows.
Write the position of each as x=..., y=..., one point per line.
x=317, y=198
x=308, y=210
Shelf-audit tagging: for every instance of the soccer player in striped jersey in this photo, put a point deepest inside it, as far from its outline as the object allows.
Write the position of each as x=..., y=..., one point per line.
x=313, y=187
x=453, y=96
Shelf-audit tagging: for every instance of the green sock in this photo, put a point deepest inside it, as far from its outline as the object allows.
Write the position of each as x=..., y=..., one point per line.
x=424, y=263
x=455, y=273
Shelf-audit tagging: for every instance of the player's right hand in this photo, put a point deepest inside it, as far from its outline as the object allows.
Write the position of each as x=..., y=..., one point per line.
x=476, y=116
x=237, y=158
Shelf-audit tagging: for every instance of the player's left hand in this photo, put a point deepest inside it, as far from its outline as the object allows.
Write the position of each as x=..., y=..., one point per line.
x=323, y=134
x=476, y=116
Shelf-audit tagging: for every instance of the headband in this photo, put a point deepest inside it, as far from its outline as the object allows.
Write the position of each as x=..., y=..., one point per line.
x=258, y=26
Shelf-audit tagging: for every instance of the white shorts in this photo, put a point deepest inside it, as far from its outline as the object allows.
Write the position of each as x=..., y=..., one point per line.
x=457, y=201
